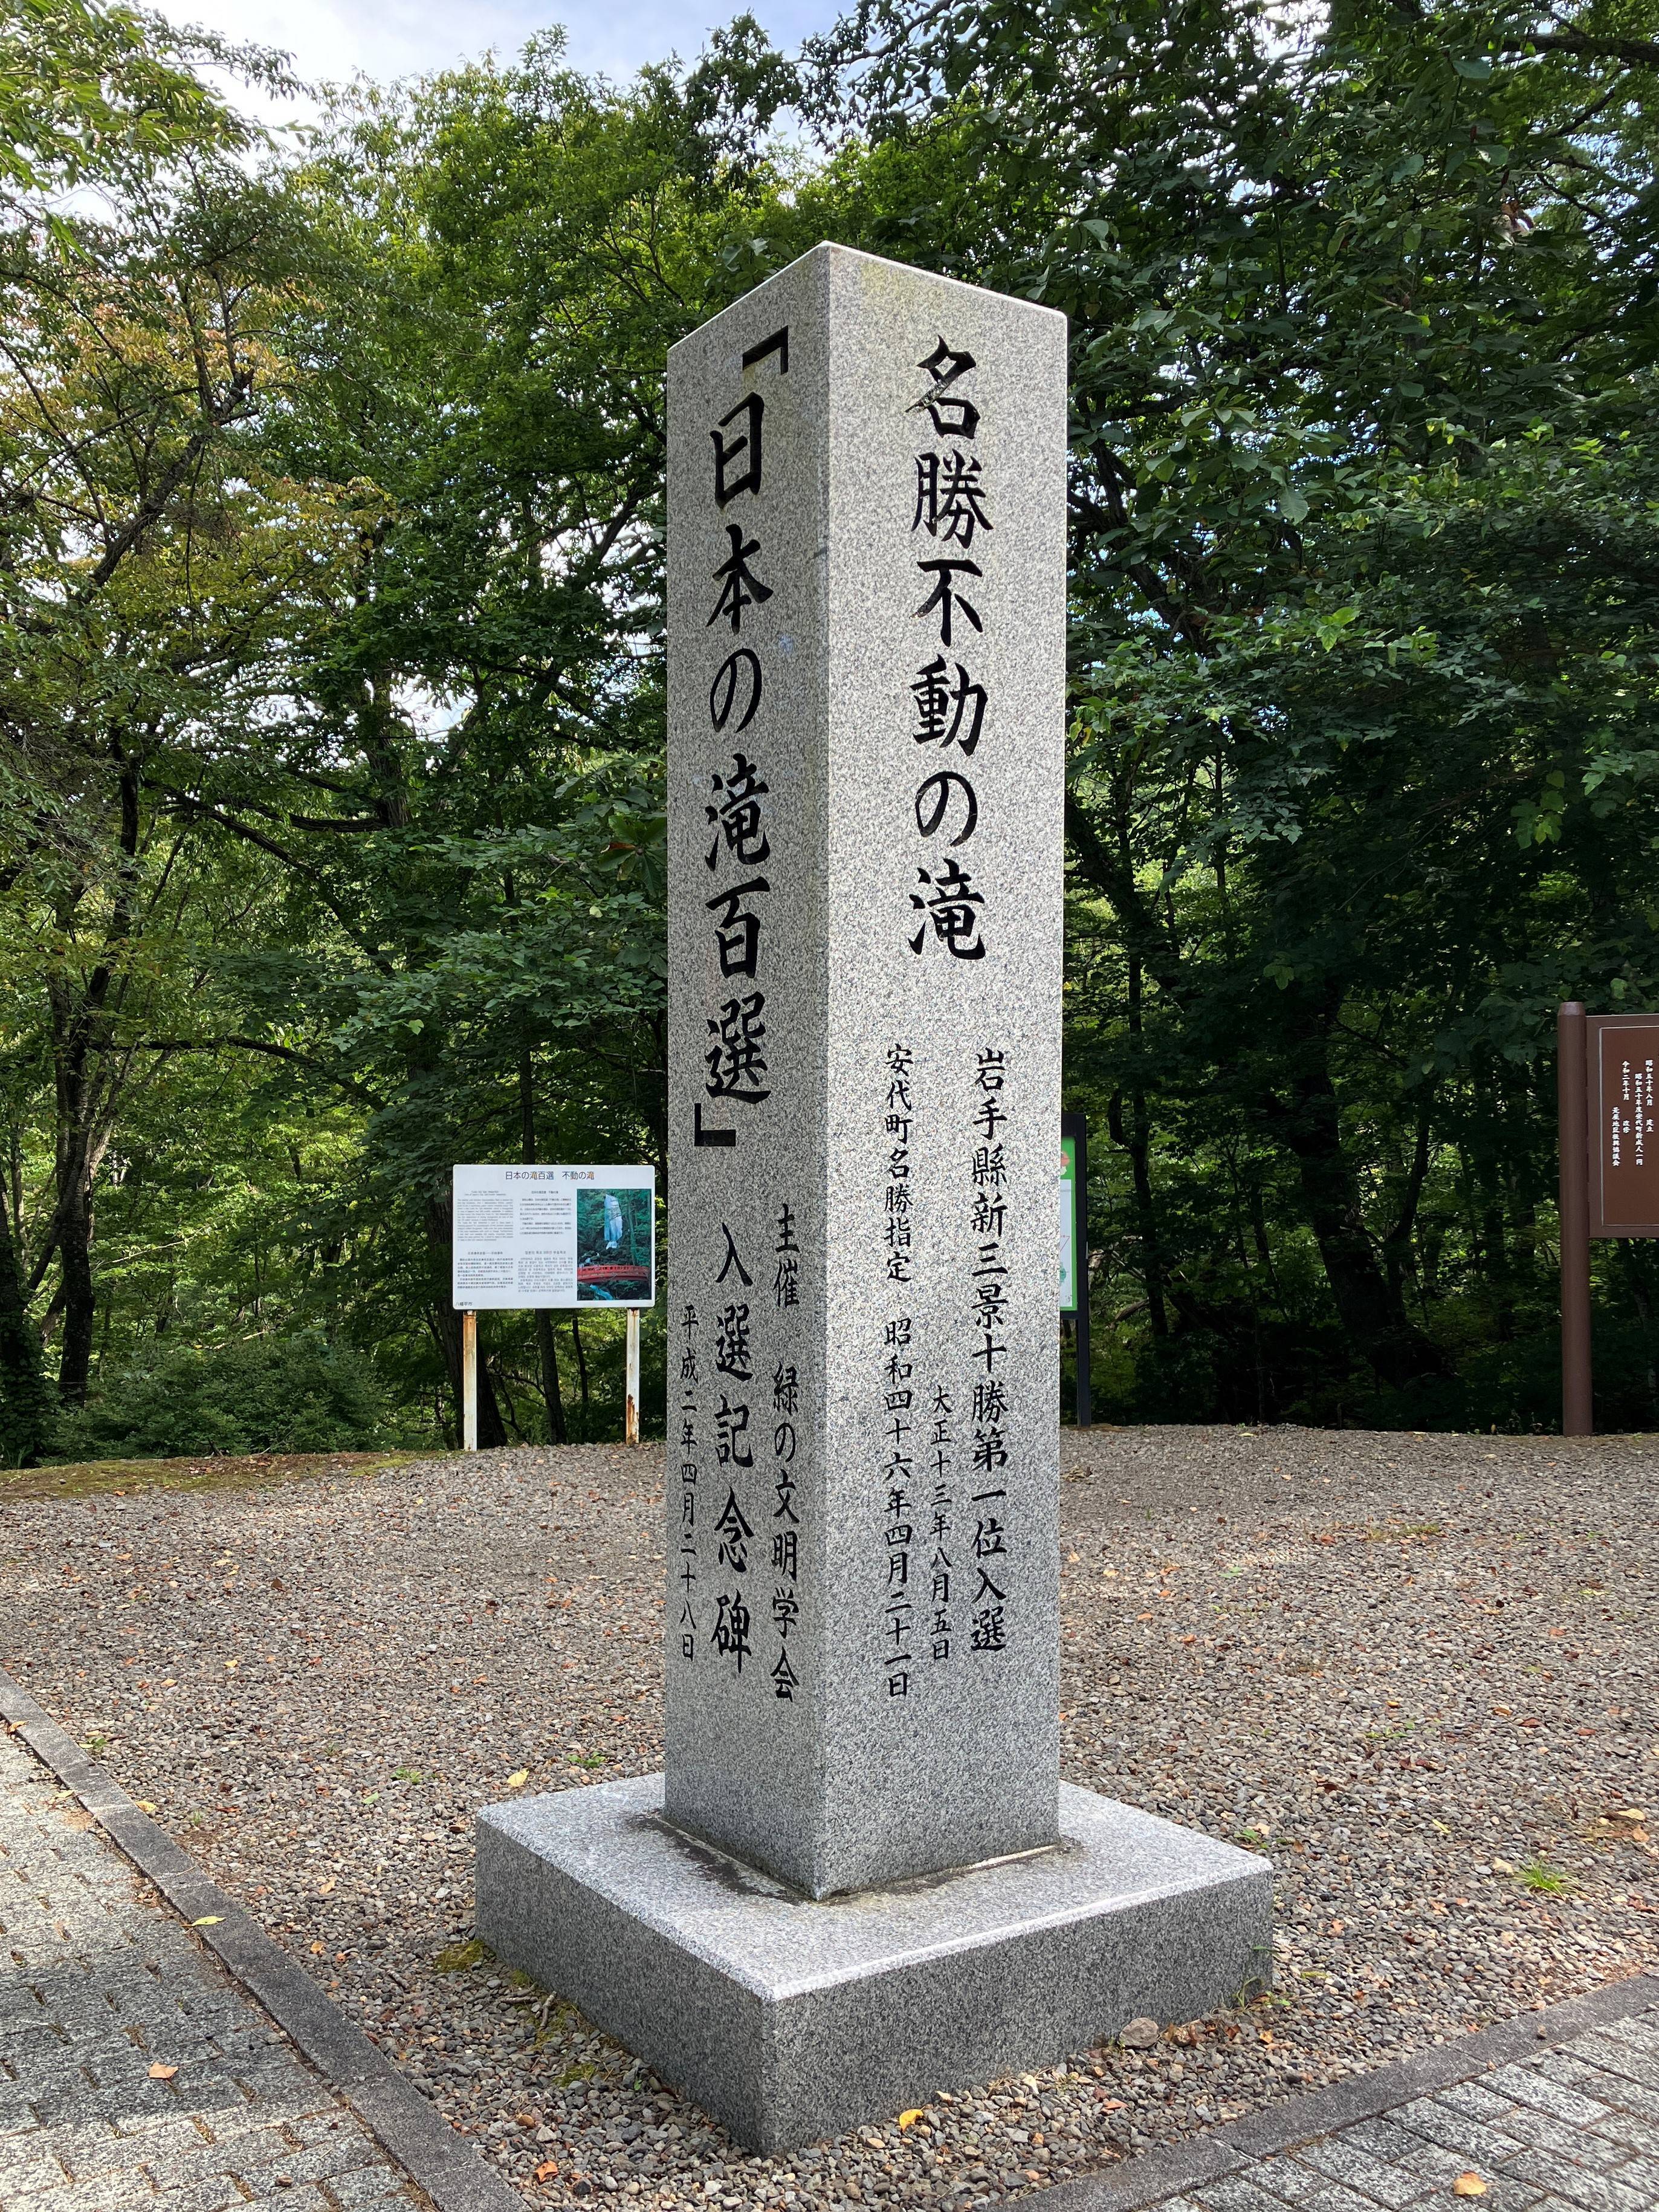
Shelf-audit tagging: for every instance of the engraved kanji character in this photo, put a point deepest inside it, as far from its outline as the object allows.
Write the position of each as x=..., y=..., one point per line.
x=952, y=418
x=949, y=503
x=953, y=909
x=731, y=1630
x=736, y=931
x=745, y=446
x=945, y=595
x=731, y=1342
x=735, y=1533
x=734, y=813
x=731, y=1442
x=736, y=1061
x=739, y=587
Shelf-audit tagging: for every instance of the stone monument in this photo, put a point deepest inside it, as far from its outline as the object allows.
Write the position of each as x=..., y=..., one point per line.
x=860, y=1879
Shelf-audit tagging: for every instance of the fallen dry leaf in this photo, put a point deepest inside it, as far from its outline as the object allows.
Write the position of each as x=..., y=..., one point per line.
x=1468, y=2184
x=908, y=2119
x=517, y=1780
x=159, y=2073
x=546, y=2170
x=208, y=1920
x=144, y=1805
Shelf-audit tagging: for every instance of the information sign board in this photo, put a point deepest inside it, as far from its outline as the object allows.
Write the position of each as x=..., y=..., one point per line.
x=1624, y=1151
x=552, y=1236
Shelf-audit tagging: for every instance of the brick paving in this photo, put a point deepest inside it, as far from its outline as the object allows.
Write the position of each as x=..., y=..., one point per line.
x=100, y=1983
x=1575, y=2130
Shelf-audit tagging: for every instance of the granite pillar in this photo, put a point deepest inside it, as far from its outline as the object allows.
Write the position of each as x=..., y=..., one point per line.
x=866, y=670
x=865, y=802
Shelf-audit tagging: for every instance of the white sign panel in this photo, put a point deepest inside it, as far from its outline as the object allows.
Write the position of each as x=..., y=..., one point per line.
x=552, y=1236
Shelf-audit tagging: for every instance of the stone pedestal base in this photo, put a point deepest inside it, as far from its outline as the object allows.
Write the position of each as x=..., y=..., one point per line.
x=791, y=2019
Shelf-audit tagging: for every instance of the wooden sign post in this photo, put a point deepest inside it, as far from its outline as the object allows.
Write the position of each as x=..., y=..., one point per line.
x=1606, y=1070
x=631, y=1381
x=1075, y=1250
x=470, y=1381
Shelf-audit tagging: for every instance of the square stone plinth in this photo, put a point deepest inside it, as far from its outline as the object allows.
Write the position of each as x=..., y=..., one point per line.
x=790, y=2019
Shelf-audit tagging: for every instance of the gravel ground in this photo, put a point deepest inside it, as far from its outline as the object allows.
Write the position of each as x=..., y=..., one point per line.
x=1418, y=1670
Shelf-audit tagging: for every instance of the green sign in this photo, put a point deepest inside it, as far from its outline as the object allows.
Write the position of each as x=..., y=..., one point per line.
x=1069, y=1269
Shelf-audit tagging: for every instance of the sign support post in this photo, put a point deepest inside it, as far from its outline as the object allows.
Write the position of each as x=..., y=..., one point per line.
x=1572, y=1072
x=470, y=1381
x=1075, y=1171
x=631, y=1384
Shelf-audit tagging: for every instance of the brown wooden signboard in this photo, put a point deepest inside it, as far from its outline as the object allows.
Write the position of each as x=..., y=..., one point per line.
x=1608, y=1071
x=1624, y=1142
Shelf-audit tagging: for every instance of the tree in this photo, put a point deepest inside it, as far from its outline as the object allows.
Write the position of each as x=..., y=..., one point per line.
x=152, y=568
x=104, y=95
x=463, y=793
x=1362, y=325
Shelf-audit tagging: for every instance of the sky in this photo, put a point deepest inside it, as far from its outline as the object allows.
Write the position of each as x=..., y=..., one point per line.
x=334, y=39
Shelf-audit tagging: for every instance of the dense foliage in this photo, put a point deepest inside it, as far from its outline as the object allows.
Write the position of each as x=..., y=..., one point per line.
x=331, y=696
x=1363, y=326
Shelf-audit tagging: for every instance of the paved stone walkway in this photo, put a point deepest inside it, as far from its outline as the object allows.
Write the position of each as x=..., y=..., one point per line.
x=1575, y=2130
x=101, y=1989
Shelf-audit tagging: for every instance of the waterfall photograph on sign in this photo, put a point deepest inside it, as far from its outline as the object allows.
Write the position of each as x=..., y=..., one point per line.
x=615, y=1245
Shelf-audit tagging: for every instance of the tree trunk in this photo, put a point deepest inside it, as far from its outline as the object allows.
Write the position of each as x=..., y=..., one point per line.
x=76, y=1027
x=1137, y=1143
x=1136, y=1140
x=1634, y=1260
x=1372, y=1309
x=25, y=1400
x=80, y=1290
x=548, y=1353
x=1398, y=1246
x=88, y=1080
x=581, y=1365
x=547, y=1350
